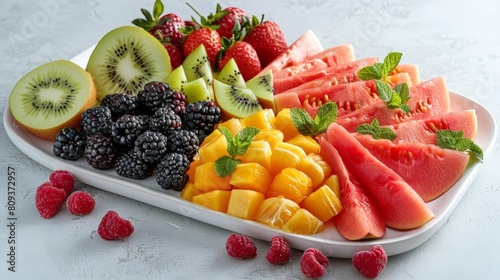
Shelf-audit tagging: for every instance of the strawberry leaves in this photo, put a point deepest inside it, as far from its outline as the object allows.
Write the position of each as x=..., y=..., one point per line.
x=236, y=146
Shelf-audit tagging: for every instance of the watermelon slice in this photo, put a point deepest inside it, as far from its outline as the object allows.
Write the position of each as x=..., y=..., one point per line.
x=427, y=168
x=401, y=207
x=304, y=47
x=428, y=99
x=359, y=218
x=424, y=131
x=349, y=97
x=412, y=70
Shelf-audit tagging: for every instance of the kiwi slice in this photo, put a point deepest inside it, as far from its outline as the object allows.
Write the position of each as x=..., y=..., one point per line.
x=262, y=87
x=177, y=78
x=51, y=97
x=197, y=65
x=127, y=58
x=231, y=75
x=197, y=91
x=235, y=102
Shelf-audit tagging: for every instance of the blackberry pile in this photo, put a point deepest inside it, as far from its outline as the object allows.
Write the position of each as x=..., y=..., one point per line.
x=156, y=132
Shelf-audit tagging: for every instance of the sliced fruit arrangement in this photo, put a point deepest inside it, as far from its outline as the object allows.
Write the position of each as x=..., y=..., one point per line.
x=222, y=110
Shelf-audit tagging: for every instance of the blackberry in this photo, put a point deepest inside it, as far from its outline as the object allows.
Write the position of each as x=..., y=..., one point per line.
x=69, y=144
x=127, y=128
x=97, y=119
x=150, y=146
x=100, y=151
x=184, y=142
x=120, y=104
x=164, y=119
x=201, y=118
x=156, y=95
x=130, y=166
x=171, y=172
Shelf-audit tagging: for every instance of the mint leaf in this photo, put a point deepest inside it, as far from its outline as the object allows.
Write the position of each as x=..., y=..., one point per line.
x=390, y=62
x=403, y=91
x=326, y=115
x=225, y=165
x=379, y=71
x=384, y=90
x=394, y=98
x=302, y=121
x=376, y=131
x=454, y=140
x=236, y=146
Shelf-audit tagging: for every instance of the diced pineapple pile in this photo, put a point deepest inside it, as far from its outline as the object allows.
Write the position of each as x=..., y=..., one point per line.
x=282, y=181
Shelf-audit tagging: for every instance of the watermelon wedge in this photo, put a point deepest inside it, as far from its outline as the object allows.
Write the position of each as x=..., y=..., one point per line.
x=302, y=49
x=427, y=168
x=424, y=131
x=349, y=97
x=412, y=70
x=359, y=218
x=428, y=99
x=401, y=207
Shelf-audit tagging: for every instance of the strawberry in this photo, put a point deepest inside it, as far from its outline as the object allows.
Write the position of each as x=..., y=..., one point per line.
x=266, y=37
x=175, y=53
x=164, y=28
x=245, y=57
x=226, y=20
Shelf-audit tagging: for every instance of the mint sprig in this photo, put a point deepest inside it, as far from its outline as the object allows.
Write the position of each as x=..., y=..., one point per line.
x=394, y=98
x=455, y=140
x=376, y=131
x=326, y=115
x=236, y=146
x=380, y=70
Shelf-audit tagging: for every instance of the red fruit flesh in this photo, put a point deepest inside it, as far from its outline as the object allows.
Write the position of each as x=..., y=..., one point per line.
x=80, y=203
x=240, y=246
x=427, y=168
x=313, y=263
x=114, y=227
x=48, y=200
x=62, y=179
x=359, y=218
x=400, y=206
x=280, y=251
x=370, y=263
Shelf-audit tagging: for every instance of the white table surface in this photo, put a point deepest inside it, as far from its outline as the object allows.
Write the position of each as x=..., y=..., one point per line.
x=457, y=39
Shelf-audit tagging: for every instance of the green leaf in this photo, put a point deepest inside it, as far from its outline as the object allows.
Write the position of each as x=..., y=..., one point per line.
x=302, y=121
x=376, y=131
x=390, y=62
x=372, y=72
x=231, y=148
x=225, y=165
x=403, y=91
x=243, y=139
x=454, y=140
x=326, y=115
x=158, y=9
x=384, y=90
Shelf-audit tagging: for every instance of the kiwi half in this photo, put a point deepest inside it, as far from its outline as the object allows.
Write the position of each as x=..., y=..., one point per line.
x=235, y=102
x=262, y=87
x=51, y=97
x=127, y=58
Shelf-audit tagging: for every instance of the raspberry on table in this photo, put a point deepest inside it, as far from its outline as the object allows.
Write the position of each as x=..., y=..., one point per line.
x=313, y=263
x=49, y=199
x=280, y=251
x=114, y=227
x=80, y=203
x=370, y=263
x=240, y=246
x=62, y=179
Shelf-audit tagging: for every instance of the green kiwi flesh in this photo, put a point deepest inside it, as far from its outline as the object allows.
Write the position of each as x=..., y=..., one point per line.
x=231, y=75
x=197, y=65
x=196, y=90
x=51, y=96
x=127, y=58
x=234, y=101
x=177, y=78
x=262, y=87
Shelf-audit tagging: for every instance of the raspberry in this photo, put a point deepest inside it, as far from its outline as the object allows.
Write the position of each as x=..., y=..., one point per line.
x=80, y=203
x=280, y=251
x=370, y=263
x=313, y=263
x=240, y=246
x=62, y=179
x=49, y=199
x=114, y=227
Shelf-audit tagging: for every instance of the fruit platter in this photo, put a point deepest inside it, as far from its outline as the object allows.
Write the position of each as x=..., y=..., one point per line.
x=326, y=108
